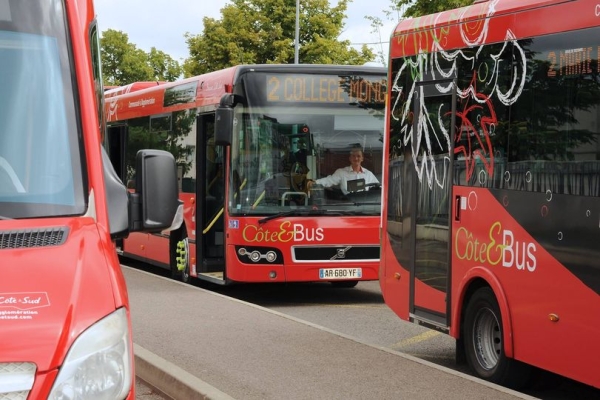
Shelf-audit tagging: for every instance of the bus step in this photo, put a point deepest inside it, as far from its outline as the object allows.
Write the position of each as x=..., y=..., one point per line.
x=214, y=277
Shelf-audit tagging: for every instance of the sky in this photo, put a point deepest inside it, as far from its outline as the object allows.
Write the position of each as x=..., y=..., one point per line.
x=163, y=24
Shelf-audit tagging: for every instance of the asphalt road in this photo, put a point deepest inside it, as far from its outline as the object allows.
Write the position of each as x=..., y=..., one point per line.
x=361, y=313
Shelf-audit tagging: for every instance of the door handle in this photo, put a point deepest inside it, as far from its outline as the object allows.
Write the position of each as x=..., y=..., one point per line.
x=457, y=208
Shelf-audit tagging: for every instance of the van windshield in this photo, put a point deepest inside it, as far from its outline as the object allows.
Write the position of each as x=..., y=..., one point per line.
x=40, y=141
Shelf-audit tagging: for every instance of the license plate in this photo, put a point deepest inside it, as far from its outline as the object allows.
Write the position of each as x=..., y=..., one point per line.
x=340, y=273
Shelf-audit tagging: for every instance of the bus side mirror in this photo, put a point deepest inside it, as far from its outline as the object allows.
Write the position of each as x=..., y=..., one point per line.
x=223, y=125
x=225, y=118
x=154, y=204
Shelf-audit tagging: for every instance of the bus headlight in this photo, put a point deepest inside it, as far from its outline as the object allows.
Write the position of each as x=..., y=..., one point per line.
x=271, y=256
x=98, y=365
x=259, y=255
x=255, y=256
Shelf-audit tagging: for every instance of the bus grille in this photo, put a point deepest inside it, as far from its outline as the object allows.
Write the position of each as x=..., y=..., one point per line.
x=16, y=380
x=341, y=253
x=27, y=238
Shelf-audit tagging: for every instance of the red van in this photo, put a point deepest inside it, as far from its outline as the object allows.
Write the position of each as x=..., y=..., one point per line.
x=65, y=330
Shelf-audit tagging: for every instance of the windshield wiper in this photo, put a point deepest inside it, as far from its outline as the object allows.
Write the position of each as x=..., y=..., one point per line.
x=306, y=212
x=353, y=203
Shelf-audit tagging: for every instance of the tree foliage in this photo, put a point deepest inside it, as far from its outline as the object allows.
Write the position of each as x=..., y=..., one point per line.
x=400, y=9
x=164, y=68
x=263, y=31
x=164, y=132
x=418, y=8
x=124, y=63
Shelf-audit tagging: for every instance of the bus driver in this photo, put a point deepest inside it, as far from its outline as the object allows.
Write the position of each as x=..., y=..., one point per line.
x=341, y=177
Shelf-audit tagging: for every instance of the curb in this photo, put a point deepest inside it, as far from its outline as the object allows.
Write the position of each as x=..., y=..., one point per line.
x=172, y=380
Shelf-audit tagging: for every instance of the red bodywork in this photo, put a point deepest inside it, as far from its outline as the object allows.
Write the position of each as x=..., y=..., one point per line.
x=286, y=233
x=53, y=294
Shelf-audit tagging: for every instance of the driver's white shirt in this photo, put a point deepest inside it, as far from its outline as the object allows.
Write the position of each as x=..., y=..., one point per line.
x=342, y=175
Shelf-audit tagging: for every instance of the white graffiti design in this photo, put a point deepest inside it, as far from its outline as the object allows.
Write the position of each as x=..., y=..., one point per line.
x=475, y=98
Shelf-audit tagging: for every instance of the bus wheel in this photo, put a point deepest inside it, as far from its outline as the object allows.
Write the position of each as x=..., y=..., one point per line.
x=180, y=257
x=484, y=343
x=344, y=284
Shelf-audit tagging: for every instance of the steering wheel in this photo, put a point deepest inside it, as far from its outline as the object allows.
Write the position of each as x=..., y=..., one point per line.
x=375, y=185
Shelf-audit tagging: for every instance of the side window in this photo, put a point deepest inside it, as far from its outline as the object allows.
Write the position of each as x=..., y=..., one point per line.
x=555, y=126
x=181, y=142
x=97, y=71
x=138, y=138
x=483, y=119
x=173, y=132
x=529, y=115
x=401, y=120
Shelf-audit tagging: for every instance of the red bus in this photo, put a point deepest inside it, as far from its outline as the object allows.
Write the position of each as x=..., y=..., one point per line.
x=492, y=179
x=247, y=213
x=64, y=312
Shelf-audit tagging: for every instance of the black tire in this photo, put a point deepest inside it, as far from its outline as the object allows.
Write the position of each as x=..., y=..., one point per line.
x=179, y=249
x=344, y=284
x=484, y=343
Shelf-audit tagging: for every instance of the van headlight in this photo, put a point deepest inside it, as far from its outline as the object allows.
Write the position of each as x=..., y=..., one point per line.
x=99, y=364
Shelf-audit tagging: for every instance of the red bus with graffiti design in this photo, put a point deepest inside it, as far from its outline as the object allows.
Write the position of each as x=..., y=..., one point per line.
x=247, y=141
x=492, y=184
x=64, y=311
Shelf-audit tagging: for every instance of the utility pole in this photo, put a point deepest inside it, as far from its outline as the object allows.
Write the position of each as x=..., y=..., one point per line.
x=297, y=44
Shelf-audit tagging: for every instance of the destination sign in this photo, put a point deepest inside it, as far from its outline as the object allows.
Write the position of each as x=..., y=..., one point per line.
x=571, y=62
x=304, y=88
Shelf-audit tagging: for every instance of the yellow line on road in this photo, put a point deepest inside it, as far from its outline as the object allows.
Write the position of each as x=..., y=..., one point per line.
x=416, y=339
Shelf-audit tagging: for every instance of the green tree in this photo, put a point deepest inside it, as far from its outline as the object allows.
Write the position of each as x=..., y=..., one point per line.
x=163, y=66
x=263, y=31
x=164, y=132
x=407, y=9
x=418, y=8
x=124, y=63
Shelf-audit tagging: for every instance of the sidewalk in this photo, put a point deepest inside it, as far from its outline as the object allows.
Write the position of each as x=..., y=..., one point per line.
x=191, y=343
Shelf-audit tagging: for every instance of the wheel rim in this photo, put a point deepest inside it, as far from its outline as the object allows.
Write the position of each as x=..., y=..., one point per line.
x=487, y=338
x=183, y=258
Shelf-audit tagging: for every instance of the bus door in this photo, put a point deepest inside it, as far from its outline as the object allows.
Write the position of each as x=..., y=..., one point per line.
x=210, y=238
x=430, y=190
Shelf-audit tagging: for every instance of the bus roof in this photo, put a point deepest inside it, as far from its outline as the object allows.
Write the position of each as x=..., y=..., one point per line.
x=478, y=10
x=111, y=91
x=146, y=98
x=489, y=21
x=294, y=68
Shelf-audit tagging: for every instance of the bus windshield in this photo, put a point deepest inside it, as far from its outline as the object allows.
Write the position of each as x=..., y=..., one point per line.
x=40, y=163
x=295, y=128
